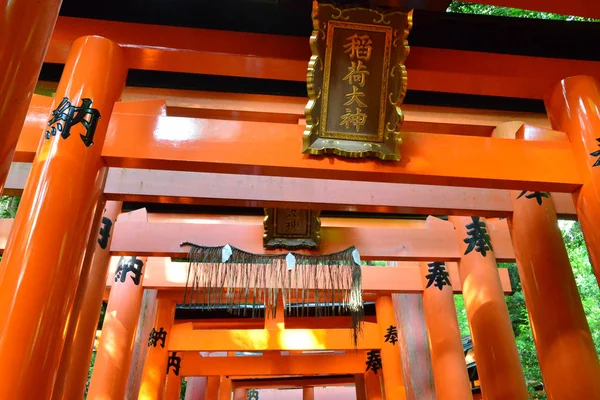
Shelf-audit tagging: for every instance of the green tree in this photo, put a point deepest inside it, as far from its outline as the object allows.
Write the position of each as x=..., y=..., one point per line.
x=470, y=8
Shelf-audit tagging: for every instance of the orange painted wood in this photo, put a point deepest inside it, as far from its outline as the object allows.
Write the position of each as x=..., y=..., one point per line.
x=212, y=388
x=175, y=49
x=172, y=387
x=581, y=8
x=155, y=365
x=374, y=386
x=179, y=187
x=192, y=364
x=25, y=34
x=196, y=388
x=184, y=338
x=113, y=357
x=498, y=361
x=77, y=351
x=187, y=144
x=256, y=382
x=573, y=106
x=393, y=381
x=39, y=276
x=225, y=388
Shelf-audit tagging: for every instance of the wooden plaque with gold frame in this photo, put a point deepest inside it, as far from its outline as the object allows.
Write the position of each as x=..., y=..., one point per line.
x=291, y=229
x=356, y=82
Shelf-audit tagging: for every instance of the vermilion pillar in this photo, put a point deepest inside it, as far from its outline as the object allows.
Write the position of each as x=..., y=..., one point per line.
x=447, y=355
x=45, y=250
x=109, y=377
x=498, y=362
x=212, y=388
x=308, y=393
x=574, y=107
x=77, y=352
x=172, y=386
x=153, y=377
x=562, y=336
x=225, y=388
x=361, y=390
x=196, y=388
x=373, y=386
x=390, y=358
x=25, y=33
x=240, y=394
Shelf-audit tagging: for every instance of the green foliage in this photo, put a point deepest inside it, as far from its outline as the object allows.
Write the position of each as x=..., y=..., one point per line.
x=590, y=296
x=470, y=8
x=8, y=206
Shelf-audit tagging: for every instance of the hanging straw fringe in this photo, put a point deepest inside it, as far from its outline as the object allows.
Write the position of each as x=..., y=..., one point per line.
x=334, y=280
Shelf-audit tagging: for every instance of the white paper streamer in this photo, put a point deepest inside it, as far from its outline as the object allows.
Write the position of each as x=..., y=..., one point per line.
x=356, y=256
x=226, y=253
x=290, y=261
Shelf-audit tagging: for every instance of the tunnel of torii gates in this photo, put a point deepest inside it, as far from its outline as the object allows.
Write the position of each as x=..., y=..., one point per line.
x=69, y=229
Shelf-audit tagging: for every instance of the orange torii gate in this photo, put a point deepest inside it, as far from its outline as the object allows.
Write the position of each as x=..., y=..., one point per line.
x=63, y=197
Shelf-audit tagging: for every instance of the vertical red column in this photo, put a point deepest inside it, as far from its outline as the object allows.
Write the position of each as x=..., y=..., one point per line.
x=392, y=365
x=212, y=388
x=153, y=376
x=25, y=34
x=373, y=386
x=196, y=388
x=574, y=107
x=498, y=362
x=359, y=384
x=240, y=394
x=45, y=250
x=225, y=388
x=113, y=358
x=83, y=323
x=308, y=393
x=173, y=384
x=447, y=355
x=563, y=339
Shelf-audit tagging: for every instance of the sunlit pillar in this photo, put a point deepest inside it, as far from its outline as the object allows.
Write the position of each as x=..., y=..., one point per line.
x=225, y=388
x=25, y=32
x=83, y=323
x=153, y=377
x=498, y=361
x=390, y=358
x=361, y=389
x=374, y=386
x=196, y=388
x=564, y=344
x=109, y=377
x=574, y=107
x=45, y=250
x=414, y=346
x=308, y=393
x=212, y=388
x=447, y=355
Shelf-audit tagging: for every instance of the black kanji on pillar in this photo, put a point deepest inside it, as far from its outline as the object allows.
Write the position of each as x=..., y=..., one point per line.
x=477, y=237
x=104, y=232
x=392, y=335
x=374, y=361
x=438, y=276
x=596, y=154
x=70, y=115
x=175, y=362
x=538, y=196
x=155, y=336
x=129, y=264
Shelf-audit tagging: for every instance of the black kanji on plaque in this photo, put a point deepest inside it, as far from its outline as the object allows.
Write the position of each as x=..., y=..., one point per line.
x=596, y=154
x=391, y=335
x=438, y=276
x=374, y=361
x=478, y=237
x=175, y=362
x=129, y=264
x=65, y=116
x=104, y=232
x=534, y=195
x=155, y=336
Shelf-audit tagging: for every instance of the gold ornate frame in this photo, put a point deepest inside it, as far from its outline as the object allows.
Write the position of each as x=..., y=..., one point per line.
x=317, y=138
x=274, y=240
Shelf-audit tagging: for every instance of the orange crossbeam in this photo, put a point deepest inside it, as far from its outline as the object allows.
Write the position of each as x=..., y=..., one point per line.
x=184, y=338
x=313, y=381
x=163, y=274
x=164, y=48
x=239, y=147
x=192, y=364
